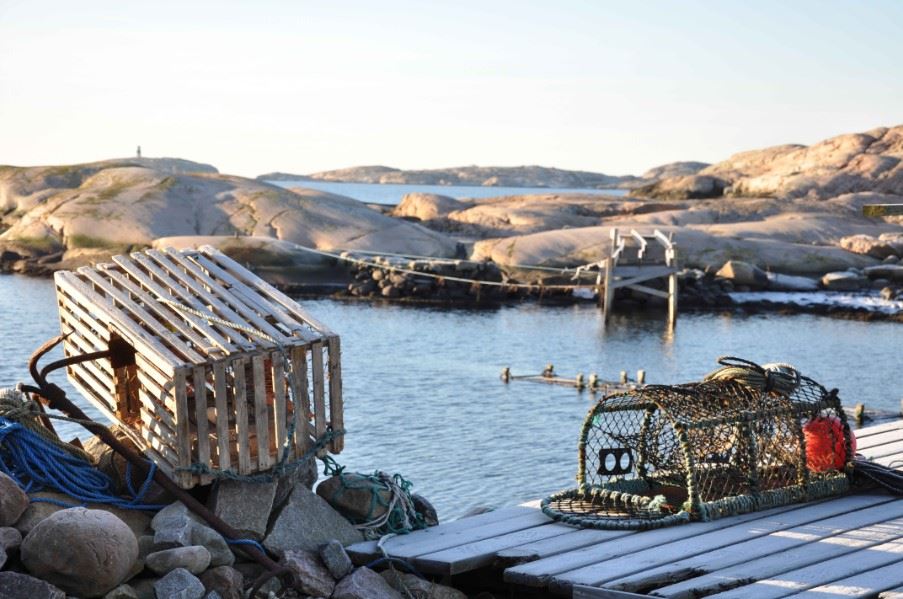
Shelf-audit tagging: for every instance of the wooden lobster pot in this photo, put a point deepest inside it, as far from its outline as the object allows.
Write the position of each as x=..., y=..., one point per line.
x=212, y=369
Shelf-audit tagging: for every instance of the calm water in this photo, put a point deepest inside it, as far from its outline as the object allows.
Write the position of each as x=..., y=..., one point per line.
x=392, y=194
x=423, y=397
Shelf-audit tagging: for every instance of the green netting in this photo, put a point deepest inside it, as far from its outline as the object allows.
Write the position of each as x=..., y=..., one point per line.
x=732, y=443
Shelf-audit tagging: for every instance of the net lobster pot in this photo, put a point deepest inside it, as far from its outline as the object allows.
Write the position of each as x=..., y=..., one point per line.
x=665, y=454
x=211, y=369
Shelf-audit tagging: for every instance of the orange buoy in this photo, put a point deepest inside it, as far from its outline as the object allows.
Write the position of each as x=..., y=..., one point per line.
x=825, y=444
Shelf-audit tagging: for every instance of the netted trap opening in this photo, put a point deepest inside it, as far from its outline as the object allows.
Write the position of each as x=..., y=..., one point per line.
x=745, y=438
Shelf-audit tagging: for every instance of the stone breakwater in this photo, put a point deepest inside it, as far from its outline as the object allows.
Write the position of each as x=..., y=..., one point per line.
x=49, y=551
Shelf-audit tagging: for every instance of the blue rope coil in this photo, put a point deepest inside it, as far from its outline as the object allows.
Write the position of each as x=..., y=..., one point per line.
x=36, y=464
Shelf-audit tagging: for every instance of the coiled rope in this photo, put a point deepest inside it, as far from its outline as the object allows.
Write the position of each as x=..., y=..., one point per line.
x=778, y=377
x=36, y=459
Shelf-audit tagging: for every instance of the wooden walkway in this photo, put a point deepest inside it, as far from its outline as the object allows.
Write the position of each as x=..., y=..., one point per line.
x=850, y=546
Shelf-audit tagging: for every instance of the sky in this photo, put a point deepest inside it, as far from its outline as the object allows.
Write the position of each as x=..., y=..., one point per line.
x=300, y=86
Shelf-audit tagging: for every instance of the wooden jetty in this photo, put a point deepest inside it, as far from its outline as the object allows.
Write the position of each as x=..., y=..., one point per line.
x=635, y=259
x=593, y=383
x=850, y=546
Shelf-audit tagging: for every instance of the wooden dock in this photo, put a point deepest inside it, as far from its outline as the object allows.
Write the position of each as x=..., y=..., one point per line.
x=849, y=546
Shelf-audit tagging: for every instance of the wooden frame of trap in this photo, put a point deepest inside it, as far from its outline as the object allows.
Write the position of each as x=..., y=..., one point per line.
x=212, y=369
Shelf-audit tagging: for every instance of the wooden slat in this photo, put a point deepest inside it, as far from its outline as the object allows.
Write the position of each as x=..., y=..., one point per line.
x=801, y=545
x=215, y=295
x=197, y=330
x=893, y=425
x=319, y=390
x=300, y=399
x=336, y=410
x=221, y=399
x=367, y=551
x=890, y=436
x=539, y=572
x=183, y=429
x=583, y=592
x=448, y=539
x=241, y=415
x=280, y=423
x=470, y=556
x=164, y=402
x=136, y=336
x=199, y=380
x=602, y=573
x=261, y=414
x=861, y=574
x=151, y=403
x=571, y=540
x=194, y=296
x=142, y=316
x=264, y=287
x=239, y=290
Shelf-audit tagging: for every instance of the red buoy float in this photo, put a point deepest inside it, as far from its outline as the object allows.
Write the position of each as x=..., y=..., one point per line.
x=825, y=444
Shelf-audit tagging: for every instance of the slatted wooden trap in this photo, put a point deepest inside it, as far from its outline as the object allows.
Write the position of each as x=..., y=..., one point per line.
x=212, y=368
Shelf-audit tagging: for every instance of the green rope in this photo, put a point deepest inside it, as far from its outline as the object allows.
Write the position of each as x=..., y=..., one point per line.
x=391, y=509
x=282, y=467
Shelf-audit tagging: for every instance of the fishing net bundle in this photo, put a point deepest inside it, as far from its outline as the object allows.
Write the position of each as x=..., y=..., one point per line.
x=746, y=437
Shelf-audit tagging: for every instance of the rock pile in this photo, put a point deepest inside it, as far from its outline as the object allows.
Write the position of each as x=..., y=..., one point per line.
x=384, y=279
x=49, y=551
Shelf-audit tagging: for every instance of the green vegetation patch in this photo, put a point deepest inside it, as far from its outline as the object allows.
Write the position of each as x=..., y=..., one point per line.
x=88, y=242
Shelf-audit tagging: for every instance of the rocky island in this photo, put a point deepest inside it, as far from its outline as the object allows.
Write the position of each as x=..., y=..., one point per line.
x=787, y=210
x=493, y=176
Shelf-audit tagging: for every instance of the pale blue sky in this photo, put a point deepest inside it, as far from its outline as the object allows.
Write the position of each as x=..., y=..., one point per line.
x=301, y=86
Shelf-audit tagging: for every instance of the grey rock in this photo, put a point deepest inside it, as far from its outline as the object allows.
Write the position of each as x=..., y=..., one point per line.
x=306, y=474
x=312, y=576
x=364, y=583
x=843, y=281
x=892, y=272
x=743, y=273
x=15, y=585
x=781, y=282
x=352, y=496
x=179, y=584
x=84, y=552
x=176, y=526
x=390, y=291
x=213, y=595
x=226, y=581
x=244, y=506
x=892, y=259
x=3, y=557
x=425, y=509
x=336, y=559
x=144, y=587
x=306, y=521
x=123, y=591
x=419, y=587
x=37, y=511
x=10, y=538
x=13, y=501
x=193, y=558
x=888, y=293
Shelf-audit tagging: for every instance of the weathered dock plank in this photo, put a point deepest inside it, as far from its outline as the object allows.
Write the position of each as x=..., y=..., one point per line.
x=770, y=556
x=367, y=551
x=601, y=573
x=860, y=574
x=540, y=572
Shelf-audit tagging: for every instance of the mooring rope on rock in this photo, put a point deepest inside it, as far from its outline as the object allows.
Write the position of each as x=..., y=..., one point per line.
x=394, y=515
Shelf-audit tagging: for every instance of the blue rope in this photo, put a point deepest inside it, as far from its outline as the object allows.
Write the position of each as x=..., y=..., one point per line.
x=251, y=542
x=35, y=464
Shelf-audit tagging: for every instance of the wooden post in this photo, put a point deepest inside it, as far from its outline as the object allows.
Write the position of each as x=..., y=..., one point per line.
x=671, y=260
